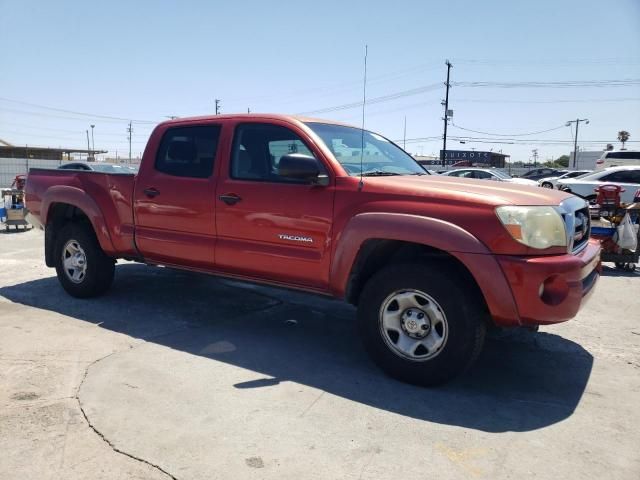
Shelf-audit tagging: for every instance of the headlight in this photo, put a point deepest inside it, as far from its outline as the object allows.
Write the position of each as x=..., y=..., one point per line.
x=536, y=227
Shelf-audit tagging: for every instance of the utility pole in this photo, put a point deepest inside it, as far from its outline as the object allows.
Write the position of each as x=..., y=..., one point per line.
x=130, y=132
x=217, y=106
x=93, y=143
x=446, y=114
x=535, y=157
x=575, y=139
x=88, y=147
x=404, y=139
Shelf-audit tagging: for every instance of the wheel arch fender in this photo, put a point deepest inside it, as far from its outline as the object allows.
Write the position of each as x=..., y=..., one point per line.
x=75, y=197
x=429, y=232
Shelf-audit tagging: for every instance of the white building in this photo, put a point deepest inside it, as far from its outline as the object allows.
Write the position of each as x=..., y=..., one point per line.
x=586, y=160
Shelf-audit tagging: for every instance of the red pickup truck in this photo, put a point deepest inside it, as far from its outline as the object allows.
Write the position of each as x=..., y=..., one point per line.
x=327, y=208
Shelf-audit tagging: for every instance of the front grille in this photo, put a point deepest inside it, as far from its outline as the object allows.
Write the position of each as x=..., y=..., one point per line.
x=581, y=228
x=577, y=222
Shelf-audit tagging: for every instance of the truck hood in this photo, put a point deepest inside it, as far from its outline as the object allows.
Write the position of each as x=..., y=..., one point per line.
x=464, y=190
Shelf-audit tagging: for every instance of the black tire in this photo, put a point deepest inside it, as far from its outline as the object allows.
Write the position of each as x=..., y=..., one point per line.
x=100, y=268
x=591, y=199
x=465, y=318
x=547, y=185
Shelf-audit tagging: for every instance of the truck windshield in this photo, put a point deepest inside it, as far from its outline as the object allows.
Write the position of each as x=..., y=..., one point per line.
x=380, y=157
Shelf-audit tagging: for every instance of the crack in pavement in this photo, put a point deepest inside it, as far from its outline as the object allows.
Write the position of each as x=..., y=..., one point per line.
x=99, y=433
x=276, y=303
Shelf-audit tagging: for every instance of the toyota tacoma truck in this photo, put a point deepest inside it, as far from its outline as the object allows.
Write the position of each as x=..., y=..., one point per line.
x=429, y=261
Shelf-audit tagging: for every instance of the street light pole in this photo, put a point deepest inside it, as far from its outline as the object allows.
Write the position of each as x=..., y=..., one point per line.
x=404, y=139
x=575, y=139
x=93, y=143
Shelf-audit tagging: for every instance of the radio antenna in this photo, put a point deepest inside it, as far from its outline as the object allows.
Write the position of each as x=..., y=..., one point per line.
x=364, y=102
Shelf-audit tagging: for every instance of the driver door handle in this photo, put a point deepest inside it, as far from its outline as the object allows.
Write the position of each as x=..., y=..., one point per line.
x=151, y=192
x=230, y=198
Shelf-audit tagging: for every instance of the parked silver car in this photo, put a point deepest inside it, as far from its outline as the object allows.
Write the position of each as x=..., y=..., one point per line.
x=489, y=174
x=552, y=182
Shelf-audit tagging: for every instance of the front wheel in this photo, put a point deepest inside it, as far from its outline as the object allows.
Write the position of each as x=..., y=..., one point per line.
x=547, y=185
x=82, y=267
x=420, y=326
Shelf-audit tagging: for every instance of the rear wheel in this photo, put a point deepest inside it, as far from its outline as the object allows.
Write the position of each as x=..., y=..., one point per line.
x=547, y=185
x=418, y=325
x=82, y=267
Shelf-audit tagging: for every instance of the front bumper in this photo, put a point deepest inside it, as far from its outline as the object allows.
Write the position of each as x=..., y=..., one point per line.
x=551, y=289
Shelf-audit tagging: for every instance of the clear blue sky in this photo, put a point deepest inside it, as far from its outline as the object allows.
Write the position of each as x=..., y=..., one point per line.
x=145, y=60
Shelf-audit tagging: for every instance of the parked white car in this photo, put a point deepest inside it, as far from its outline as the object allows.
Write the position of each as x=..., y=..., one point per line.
x=618, y=158
x=552, y=182
x=488, y=174
x=627, y=177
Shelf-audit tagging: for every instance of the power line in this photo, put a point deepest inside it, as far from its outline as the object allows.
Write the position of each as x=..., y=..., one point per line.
x=69, y=133
x=67, y=117
x=561, y=84
x=585, y=100
x=339, y=87
x=560, y=62
x=384, y=98
x=91, y=115
x=511, y=141
x=509, y=134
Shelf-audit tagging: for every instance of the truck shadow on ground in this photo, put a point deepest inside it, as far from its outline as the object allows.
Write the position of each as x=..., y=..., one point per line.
x=11, y=231
x=610, y=271
x=522, y=381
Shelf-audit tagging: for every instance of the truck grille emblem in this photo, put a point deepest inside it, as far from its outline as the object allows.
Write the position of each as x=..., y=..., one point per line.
x=581, y=226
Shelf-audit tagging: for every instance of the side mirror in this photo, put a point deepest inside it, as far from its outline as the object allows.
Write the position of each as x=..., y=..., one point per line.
x=298, y=166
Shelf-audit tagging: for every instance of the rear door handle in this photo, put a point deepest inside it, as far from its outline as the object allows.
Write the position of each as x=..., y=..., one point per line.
x=151, y=192
x=230, y=198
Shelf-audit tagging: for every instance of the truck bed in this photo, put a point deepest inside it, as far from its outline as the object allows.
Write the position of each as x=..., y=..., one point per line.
x=107, y=194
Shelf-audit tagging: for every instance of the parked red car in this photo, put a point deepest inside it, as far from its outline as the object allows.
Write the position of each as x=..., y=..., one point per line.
x=430, y=261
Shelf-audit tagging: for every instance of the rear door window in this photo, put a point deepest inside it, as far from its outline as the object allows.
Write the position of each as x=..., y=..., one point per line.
x=188, y=151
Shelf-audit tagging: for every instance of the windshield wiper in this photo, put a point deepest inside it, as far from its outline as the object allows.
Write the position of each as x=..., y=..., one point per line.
x=379, y=173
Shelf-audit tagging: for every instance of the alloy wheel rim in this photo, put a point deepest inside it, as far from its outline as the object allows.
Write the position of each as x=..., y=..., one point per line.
x=413, y=325
x=74, y=261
